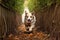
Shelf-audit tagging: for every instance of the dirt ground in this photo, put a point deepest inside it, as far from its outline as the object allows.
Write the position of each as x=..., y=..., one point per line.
x=31, y=36
x=25, y=36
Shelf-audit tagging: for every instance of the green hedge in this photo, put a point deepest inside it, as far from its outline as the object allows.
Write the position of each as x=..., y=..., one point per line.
x=32, y=5
x=16, y=5
x=41, y=4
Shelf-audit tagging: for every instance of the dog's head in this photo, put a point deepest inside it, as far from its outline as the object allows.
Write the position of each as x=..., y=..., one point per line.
x=29, y=17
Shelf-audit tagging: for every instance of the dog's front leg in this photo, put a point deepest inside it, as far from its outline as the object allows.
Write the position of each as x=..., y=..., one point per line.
x=31, y=28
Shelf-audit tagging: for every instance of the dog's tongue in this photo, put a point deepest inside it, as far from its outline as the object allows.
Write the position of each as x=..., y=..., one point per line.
x=29, y=22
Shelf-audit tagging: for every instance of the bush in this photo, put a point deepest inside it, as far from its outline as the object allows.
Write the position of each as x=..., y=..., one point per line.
x=16, y=5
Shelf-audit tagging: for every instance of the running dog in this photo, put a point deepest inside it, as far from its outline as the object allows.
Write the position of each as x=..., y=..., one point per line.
x=29, y=20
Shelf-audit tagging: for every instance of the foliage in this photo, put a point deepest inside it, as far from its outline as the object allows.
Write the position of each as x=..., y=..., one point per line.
x=32, y=4
x=16, y=5
x=57, y=1
x=41, y=4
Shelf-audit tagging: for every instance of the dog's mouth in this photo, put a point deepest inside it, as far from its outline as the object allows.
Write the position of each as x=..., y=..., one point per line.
x=28, y=22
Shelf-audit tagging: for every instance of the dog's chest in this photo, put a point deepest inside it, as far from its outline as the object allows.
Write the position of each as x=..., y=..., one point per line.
x=27, y=24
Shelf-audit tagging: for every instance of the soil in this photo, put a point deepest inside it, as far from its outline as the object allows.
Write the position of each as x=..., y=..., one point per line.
x=28, y=36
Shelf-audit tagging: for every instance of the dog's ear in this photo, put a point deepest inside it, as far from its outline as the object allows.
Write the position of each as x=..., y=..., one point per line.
x=25, y=13
x=33, y=13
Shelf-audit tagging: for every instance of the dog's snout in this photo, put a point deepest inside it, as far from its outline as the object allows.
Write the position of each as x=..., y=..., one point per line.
x=29, y=20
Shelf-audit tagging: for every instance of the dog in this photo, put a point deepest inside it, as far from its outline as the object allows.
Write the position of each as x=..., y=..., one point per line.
x=29, y=20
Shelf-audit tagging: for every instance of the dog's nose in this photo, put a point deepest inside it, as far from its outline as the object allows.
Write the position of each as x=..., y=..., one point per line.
x=28, y=19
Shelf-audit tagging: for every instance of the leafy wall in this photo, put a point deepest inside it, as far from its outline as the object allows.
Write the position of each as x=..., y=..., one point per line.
x=39, y=5
x=16, y=5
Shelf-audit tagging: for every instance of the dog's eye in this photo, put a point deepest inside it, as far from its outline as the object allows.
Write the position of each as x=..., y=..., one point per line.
x=33, y=17
x=26, y=16
x=30, y=16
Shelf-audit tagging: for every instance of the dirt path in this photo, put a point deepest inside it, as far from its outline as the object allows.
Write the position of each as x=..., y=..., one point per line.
x=21, y=35
x=31, y=36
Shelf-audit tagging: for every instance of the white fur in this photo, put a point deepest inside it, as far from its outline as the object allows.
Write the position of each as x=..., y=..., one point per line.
x=29, y=14
x=23, y=15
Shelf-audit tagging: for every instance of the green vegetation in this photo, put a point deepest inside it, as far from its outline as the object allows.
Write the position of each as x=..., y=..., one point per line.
x=37, y=5
x=41, y=4
x=32, y=4
x=16, y=5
